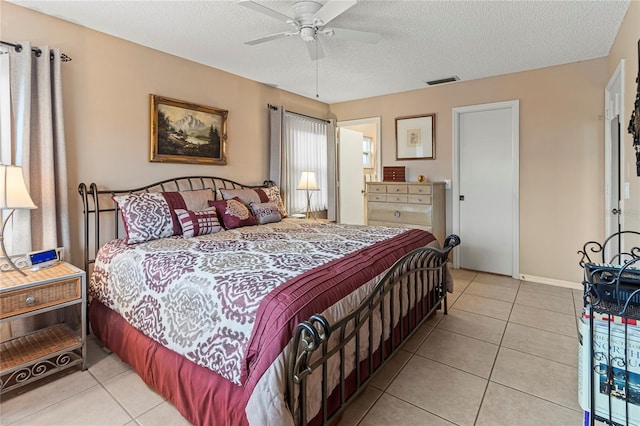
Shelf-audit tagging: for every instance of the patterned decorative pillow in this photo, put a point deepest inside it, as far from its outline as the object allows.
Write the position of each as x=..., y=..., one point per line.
x=196, y=223
x=256, y=195
x=247, y=196
x=273, y=192
x=265, y=212
x=145, y=216
x=233, y=213
x=149, y=216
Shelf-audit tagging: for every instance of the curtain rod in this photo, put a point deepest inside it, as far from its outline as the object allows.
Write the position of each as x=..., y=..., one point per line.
x=38, y=52
x=275, y=108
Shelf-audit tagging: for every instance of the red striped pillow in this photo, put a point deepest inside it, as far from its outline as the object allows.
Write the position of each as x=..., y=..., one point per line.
x=196, y=223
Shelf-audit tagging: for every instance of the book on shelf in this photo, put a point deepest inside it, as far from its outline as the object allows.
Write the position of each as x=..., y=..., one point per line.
x=616, y=368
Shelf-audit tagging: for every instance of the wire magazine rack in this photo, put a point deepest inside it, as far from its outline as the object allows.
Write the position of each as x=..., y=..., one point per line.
x=609, y=331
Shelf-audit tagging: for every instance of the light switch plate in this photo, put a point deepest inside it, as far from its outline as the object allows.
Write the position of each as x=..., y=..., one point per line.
x=627, y=193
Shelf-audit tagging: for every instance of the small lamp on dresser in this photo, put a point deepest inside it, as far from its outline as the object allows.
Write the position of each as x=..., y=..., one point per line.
x=308, y=183
x=13, y=195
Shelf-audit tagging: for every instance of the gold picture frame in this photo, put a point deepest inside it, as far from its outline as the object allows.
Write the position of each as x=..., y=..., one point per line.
x=183, y=132
x=416, y=137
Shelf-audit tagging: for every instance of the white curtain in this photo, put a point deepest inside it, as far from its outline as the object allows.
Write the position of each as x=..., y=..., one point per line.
x=37, y=144
x=304, y=150
x=297, y=144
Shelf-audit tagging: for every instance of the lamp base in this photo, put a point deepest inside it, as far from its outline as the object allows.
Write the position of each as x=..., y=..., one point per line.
x=4, y=251
x=309, y=214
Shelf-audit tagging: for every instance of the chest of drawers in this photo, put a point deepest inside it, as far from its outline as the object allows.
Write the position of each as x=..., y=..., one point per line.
x=407, y=204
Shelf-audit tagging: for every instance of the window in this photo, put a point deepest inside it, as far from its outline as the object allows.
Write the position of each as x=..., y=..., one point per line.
x=367, y=152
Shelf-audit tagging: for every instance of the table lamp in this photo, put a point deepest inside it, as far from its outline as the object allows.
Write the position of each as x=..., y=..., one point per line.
x=13, y=195
x=308, y=183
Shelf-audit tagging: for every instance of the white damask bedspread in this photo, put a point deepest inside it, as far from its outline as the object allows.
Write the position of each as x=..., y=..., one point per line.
x=199, y=296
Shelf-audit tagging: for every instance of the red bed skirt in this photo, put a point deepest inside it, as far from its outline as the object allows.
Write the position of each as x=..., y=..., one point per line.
x=200, y=395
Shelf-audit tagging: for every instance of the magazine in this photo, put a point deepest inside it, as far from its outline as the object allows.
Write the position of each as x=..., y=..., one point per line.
x=616, y=371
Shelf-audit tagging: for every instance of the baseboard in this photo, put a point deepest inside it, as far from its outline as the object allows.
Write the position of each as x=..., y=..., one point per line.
x=552, y=281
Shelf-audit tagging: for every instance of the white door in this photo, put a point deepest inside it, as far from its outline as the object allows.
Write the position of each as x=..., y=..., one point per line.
x=486, y=187
x=350, y=177
x=614, y=104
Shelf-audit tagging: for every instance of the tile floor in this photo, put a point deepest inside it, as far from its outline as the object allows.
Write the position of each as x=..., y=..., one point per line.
x=506, y=354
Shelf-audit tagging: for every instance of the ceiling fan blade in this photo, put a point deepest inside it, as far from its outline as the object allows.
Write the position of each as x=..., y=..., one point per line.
x=331, y=10
x=265, y=10
x=315, y=50
x=361, y=36
x=266, y=38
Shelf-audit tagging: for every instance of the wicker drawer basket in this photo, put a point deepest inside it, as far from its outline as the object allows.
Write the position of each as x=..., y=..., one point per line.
x=25, y=300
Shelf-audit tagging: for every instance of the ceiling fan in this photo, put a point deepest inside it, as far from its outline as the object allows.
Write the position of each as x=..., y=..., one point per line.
x=310, y=19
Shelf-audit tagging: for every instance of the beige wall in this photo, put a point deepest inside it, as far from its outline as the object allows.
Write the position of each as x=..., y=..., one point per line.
x=625, y=47
x=106, y=101
x=561, y=152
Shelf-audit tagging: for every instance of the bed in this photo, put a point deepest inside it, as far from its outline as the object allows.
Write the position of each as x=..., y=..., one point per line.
x=251, y=319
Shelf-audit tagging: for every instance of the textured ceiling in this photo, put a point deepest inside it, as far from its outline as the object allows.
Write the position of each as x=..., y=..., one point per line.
x=421, y=40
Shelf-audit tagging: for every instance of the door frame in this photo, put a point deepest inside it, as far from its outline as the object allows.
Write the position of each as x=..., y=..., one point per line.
x=515, y=170
x=610, y=106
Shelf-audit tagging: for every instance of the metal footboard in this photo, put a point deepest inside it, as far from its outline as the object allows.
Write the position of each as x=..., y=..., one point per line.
x=409, y=292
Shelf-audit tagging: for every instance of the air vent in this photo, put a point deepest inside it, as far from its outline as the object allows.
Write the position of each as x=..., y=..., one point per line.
x=443, y=80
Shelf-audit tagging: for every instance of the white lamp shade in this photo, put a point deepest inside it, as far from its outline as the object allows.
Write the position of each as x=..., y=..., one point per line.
x=308, y=182
x=13, y=190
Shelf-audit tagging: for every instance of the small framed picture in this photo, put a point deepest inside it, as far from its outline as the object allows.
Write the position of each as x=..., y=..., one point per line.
x=416, y=137
x=183, y=132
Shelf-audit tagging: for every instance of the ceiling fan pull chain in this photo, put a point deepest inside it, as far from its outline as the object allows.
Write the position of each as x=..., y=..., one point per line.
x=317, y=95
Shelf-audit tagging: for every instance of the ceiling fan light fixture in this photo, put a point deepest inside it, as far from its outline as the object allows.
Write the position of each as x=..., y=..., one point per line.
x=308, y=34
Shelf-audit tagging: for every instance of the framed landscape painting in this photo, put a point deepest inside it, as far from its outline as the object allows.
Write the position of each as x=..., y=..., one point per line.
x=183, y=132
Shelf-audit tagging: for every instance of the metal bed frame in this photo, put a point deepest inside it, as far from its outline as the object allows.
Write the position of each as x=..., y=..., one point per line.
x=96, y=201
x=417, y=280
x=421, y=276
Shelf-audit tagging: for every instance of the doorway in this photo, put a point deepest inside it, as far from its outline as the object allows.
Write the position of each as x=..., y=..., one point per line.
x=613, y=158
x=352, y=172
x=486, y=187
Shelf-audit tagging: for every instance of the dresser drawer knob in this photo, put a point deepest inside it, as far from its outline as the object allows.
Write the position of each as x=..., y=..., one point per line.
x=397, y=213
x=30, y=300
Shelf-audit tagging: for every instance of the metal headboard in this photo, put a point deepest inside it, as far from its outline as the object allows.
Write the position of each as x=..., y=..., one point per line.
x=99, y=204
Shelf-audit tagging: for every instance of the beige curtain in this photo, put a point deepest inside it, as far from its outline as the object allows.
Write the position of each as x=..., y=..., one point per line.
x=38, y=145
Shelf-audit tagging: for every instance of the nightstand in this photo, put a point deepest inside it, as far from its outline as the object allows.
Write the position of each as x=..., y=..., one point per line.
x=43, y=352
